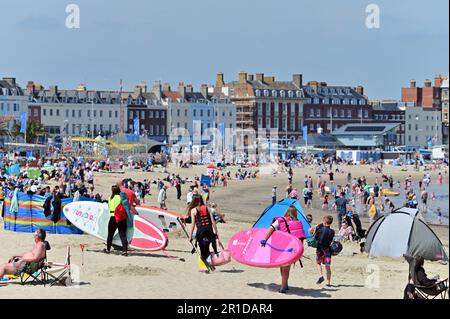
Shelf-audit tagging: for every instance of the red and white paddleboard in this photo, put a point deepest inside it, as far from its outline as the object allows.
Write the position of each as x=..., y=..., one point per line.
x=146, y=236
x=93, y=218
x=164, y=219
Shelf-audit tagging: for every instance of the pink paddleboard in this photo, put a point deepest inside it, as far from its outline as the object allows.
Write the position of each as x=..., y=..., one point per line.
x=282, y=249
x=147, y=236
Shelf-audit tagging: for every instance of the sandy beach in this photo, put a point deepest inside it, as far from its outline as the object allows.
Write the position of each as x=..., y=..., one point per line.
x=174, y=274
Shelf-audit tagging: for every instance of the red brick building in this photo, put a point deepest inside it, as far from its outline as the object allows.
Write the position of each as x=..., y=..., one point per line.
x=428, y=96
x=330, y=107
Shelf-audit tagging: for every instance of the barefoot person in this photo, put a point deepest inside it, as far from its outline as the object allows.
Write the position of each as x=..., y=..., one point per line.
x=290, y=224
x=324, y=236
x=204, y=223
x=16, y=264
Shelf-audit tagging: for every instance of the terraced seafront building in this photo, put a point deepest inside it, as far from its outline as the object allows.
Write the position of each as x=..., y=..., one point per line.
x=264, y=104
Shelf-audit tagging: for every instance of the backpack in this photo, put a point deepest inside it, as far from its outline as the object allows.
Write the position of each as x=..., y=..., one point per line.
x=120, y=213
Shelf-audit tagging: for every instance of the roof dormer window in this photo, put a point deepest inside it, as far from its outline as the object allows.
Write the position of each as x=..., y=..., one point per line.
x=258, y=93
x=266, y=92
x=274, y=93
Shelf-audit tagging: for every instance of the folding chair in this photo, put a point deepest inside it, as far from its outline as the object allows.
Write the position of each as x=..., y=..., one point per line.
x=55, y=273
x=33, y=272
x=433, y=291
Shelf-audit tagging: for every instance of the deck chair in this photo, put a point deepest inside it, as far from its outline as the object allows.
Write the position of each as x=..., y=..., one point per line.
x=58, y=273
x=33, y=272
x=439, y=289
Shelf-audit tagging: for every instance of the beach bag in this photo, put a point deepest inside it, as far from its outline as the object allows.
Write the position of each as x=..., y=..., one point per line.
x=220, y=259
x=335, y=248
x=311, y=242
x=120, y=213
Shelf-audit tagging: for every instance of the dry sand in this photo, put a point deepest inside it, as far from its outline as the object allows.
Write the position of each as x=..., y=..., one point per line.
x=174, y=274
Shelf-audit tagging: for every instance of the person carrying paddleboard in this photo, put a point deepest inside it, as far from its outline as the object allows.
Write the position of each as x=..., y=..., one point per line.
x=204, y=222
x=290, y=224
x=118, y=220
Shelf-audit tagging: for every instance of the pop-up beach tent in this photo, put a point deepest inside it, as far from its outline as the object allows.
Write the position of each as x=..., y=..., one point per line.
x=404, y=232
x=278, y=210
x=30, y=216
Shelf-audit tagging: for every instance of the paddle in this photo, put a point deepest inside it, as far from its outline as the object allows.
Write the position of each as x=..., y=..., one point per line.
x=194, y=249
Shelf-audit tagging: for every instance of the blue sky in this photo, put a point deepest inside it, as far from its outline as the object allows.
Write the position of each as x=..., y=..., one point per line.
x=190, y=41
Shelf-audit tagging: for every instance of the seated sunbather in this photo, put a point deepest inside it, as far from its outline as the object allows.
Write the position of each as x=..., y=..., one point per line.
x=17, y=263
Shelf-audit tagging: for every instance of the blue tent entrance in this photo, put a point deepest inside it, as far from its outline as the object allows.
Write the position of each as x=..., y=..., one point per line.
x=278, y=210
x=205, y=179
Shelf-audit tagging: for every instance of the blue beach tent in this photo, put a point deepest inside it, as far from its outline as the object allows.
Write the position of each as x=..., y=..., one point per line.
x=205, y=179
x=278, y=210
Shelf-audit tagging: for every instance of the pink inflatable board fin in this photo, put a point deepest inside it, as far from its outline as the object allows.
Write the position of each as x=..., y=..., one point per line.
x=281, y=249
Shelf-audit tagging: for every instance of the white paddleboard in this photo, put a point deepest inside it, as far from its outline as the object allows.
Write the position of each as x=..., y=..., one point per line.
x=164, y=219
x=93, y=218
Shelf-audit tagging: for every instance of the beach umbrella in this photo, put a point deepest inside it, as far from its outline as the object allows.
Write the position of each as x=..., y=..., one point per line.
x=403, y=232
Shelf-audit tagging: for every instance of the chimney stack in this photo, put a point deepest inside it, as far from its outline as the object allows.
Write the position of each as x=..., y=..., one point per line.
x=157, y=89
x=182, y=90
x=10, y=81
x=413, y=84
x=427, y=83
x=204, y=90
x=53, y=89
x=189, y=88
x=250, y=77
x=31, y=87
x=141, y=88
x=297, y=79
x=438, y=79
x=269, y=79
x=219, y=80
x=166, y=87
x=242, y=77
x=360, y=89
x=81, y=87
x=260, y=77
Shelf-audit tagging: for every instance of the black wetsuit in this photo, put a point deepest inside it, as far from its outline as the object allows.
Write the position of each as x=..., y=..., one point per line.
x=205, y=233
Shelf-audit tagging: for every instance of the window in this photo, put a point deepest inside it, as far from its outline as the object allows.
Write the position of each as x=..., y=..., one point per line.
x=258, y=93
x=275, y=122
x=259, y=122
x=150, y=114
x=335, y=113
x=67, y=113
x=417, y=127
x=349, y=113
x=267, y=108
x=44, y=112
x=274, y=93
x=156, y=114
x=101, y=113
x=259, y=108
x=417, y=138
x=161, y=114
x=178, y=112
x=342, y=113
x=57, y=112
x=142, y=114
x=316, y=100
x=267, y=122
x=290, y=93
x=409, y=127
x=409, y=138
x=209, y=113
x=178, y=125
x=110, y=115
x=95, y=113
x=329, y=112
x=282, y=93
x=266, y=92
x=284, y=124
x=201, y=113
x=366, y=113
x=311, y=127
x=51, y=112
x=195, y=113
x=311, y=112
x=318, y=112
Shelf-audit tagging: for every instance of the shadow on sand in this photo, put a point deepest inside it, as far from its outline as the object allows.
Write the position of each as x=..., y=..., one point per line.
x=316, y=293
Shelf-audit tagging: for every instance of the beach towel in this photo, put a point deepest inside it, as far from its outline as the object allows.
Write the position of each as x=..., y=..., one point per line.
x=126, y=205
x=15, y=202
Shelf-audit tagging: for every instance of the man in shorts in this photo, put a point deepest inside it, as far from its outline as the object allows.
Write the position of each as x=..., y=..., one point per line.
x=324, y=236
